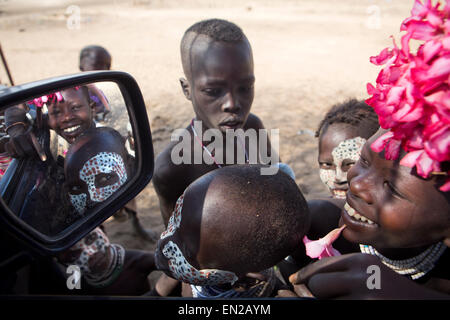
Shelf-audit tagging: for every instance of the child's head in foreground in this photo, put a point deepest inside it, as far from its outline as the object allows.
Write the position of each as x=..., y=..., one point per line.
x=342, y=133
x=70, y=112
x=217, y=62
x=94, y=58
x=96, y=166
x=231, y=222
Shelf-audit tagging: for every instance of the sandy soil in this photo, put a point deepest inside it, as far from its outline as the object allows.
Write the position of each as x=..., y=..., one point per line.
x=308, y=55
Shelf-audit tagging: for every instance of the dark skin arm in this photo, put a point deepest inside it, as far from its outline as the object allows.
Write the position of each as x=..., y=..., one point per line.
x=347, y=277
x=170, y=181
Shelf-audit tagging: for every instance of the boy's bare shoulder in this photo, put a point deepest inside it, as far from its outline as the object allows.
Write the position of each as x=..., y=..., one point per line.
x=166, y=171
x=253, y=122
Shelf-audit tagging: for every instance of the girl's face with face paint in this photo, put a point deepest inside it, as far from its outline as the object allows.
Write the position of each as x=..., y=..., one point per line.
x=92, y=253
x=99, y=177
x=339, y=149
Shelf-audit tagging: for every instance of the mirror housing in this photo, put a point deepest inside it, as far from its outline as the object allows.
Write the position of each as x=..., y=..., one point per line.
x=50, y=245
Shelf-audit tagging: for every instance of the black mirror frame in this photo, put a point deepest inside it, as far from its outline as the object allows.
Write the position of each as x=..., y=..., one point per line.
x=129, y=88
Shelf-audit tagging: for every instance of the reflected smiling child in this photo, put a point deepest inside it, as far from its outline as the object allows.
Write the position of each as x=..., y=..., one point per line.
x=71, y=112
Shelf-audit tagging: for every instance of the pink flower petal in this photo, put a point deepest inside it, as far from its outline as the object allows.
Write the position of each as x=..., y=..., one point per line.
x=323, y=248
x=409, y=160
x=438, y=145
x=419, y=30
x=431, y=49
x=419, y=9
x=379, y=144
x=434, y=19
x=392, y=150
x=395, y=95
x=407, y=113
x=383, y=57
x=425, y=165
x=446, y=186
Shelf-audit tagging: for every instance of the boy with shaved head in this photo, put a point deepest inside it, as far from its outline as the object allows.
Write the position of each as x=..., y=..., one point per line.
x=217, y=62
x=228, y=230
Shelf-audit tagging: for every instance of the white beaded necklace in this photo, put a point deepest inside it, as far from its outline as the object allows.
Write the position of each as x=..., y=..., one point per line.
x=414, y=267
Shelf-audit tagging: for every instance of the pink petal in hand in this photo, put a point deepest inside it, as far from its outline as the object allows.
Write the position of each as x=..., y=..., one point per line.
x=446, y=186
x=323, y=248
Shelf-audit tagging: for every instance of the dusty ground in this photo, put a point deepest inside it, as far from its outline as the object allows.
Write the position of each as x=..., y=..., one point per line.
x=308, y=54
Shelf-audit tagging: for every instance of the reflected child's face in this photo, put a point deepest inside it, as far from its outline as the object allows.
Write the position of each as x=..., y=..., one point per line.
x=389, y=206
x=222, y=84
x=92, y=253
x=339, y=149
x=73, y=115
x=99, y=177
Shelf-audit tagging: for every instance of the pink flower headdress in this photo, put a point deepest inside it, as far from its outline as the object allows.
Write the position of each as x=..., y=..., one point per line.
x=412, y=96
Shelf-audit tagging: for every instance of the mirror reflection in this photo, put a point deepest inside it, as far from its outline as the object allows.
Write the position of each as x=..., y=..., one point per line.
x=65, y=153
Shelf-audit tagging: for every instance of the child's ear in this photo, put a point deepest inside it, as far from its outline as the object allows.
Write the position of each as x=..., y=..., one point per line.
x=186, y=88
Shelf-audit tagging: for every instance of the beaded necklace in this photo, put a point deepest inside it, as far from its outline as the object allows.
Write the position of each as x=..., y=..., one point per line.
x=415, y=267
x=208, y=152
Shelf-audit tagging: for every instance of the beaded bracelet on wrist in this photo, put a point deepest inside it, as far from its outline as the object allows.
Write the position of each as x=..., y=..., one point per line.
x=114, y=270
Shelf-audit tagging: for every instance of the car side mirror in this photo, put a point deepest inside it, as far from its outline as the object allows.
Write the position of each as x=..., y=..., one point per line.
x=91, y=152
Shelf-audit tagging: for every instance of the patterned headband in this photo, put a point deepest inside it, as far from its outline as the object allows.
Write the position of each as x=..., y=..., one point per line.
x=50, y=98
x=412, y=96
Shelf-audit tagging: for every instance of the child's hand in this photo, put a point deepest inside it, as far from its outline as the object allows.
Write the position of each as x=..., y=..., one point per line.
x=133, y=280
x=348, y=277
x=23, y=143
x=300, y=290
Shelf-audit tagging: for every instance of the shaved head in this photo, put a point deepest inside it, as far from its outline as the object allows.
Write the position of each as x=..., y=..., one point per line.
x=197, y=37
x=238, y=220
